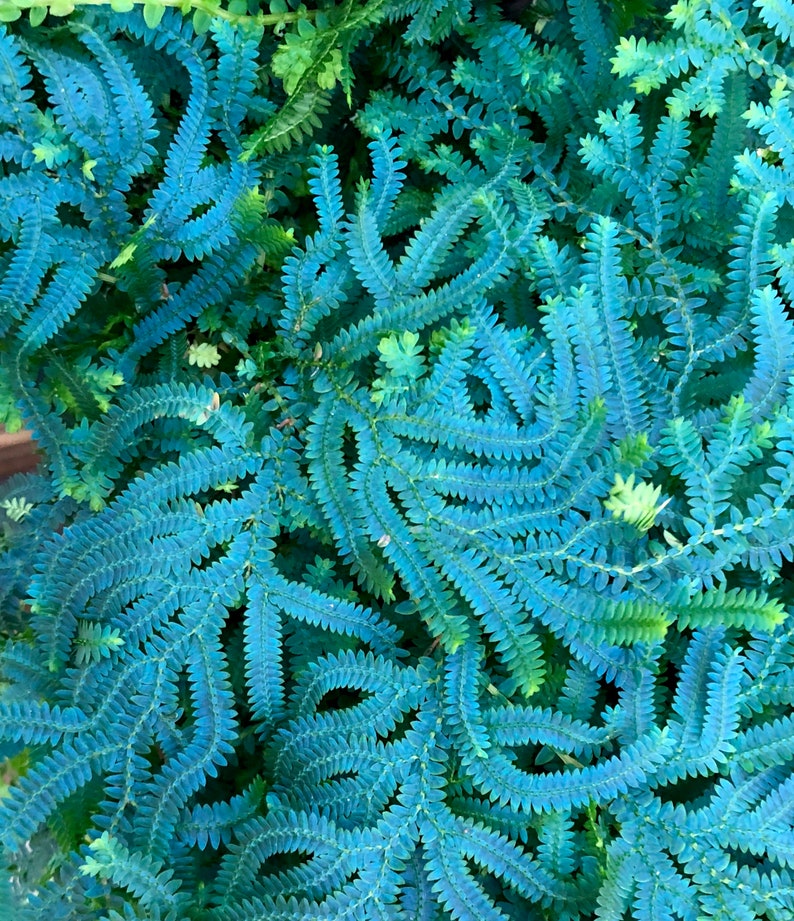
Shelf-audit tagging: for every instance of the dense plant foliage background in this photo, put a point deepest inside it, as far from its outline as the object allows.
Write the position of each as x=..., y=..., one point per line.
x=413, y=535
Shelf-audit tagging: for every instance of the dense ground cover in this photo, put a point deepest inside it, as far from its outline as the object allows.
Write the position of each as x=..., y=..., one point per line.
x=413, y=535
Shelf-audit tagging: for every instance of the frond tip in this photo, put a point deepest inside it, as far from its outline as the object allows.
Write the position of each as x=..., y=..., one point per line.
x=94, y=642
x=635, y=504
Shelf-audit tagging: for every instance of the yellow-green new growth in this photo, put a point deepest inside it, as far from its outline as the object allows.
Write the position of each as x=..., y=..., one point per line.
x=635, y=503
x=16, y=508
x=203, y=354
x=405, y=363
x=204, y=11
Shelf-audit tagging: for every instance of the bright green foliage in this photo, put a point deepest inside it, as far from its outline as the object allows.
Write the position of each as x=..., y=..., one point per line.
x=636, y=504
x=402, y=357
x=16, y=507
x=93, y=641
x=415, y=386
x=203, y=355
